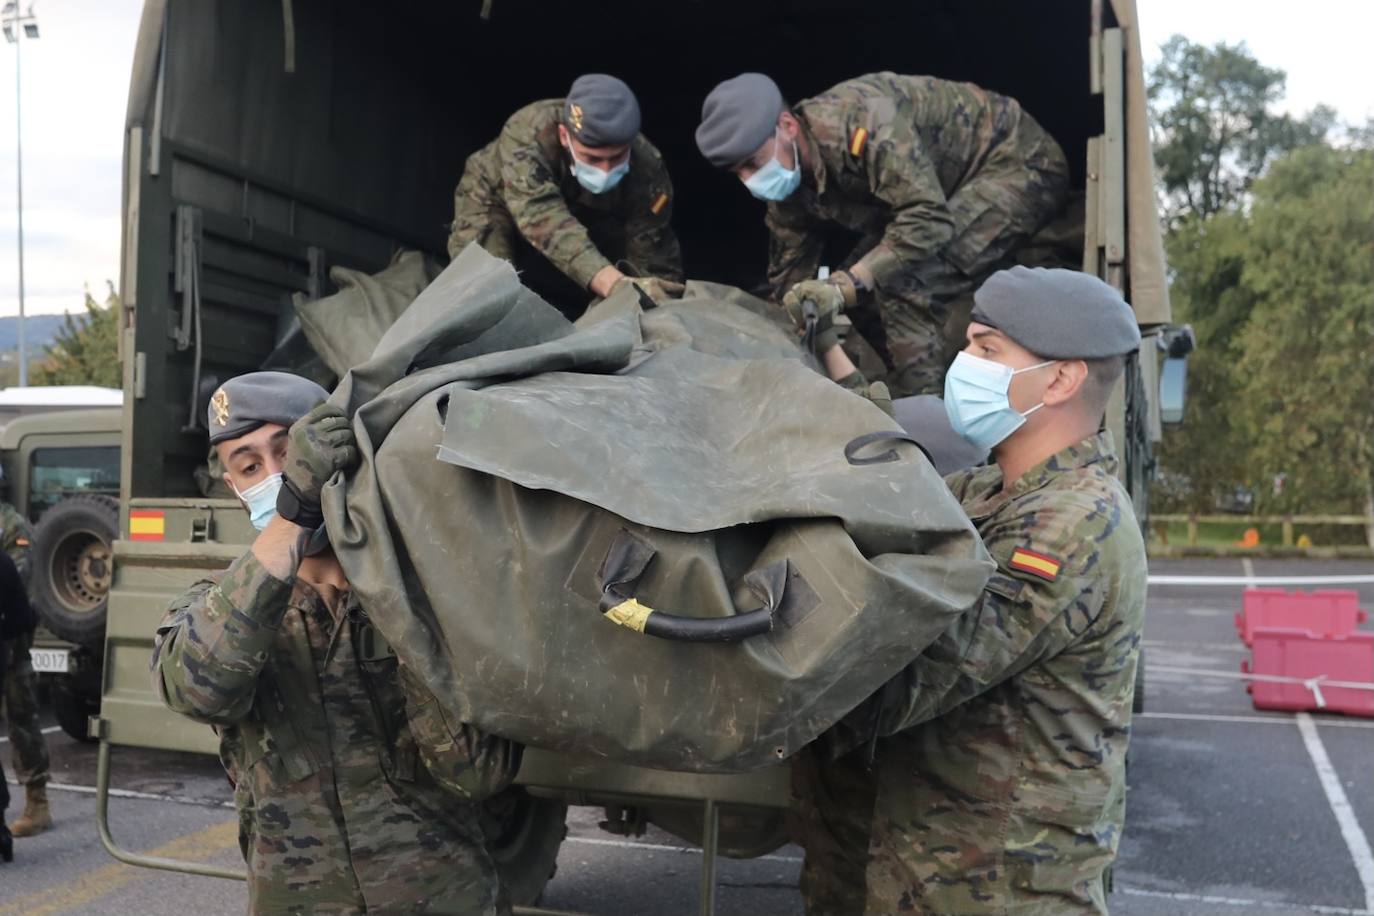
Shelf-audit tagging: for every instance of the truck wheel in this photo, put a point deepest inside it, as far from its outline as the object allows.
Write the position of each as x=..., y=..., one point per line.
x=1138, y=701
x=524, y=834
x=70, y=567
x=73, y=707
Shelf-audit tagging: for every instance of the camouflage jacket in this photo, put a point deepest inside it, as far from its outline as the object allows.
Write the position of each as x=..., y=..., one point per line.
x=1009, y=796
x=528, y=172
x=15, y=536
x=354, y=791
x=888, y=153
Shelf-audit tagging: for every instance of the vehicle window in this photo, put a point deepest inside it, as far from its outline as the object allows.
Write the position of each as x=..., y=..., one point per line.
x=56, y=473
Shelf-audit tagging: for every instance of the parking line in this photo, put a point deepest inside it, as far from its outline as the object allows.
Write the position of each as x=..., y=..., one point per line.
x=1241, y=902
x=1354, y=837
x=1261, y=581
x=47, y=731
x=660, y=847
x=73, y=893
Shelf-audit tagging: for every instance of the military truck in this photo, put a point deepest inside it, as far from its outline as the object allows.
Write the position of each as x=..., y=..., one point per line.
x=61, y=472
x=268, y=141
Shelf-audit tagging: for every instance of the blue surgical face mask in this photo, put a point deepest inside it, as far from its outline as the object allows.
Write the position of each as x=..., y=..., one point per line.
x=261, y=499
x=593, y=178
x=773, y=181
x=976, y=399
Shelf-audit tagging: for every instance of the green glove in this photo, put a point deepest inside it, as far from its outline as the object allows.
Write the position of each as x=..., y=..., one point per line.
x=320, y=444
x=827, y=296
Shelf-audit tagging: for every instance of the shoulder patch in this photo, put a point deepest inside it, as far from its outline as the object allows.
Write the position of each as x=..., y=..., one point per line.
x=659, y=203
x=857, y=141
x=1037, y=564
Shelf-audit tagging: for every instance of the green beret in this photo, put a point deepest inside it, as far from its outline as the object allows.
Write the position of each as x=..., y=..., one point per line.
x=737, y=118
x=601, y=110
x=1057, y=314
x=246, y=402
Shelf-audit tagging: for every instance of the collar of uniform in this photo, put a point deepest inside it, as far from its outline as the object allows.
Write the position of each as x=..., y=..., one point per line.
x=1092, y=450
x=988, y=494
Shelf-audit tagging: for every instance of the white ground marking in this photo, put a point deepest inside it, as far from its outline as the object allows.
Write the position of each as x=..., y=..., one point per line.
x=1249, y=720
x=1247, y=565
x=47, y=731
x=1354, y=837
x=659, y=847
x=142, y=796
x=1261, y=581
x=1241, y=902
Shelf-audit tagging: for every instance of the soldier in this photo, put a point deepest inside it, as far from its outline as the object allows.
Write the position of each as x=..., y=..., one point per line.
x=941, y=181
x=575, y=180
x=1002, y=786
x=20, y=691
x=16, y=620
x=340, y=808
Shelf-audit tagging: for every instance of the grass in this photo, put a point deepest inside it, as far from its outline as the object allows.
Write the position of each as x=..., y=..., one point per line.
x=1230, y=534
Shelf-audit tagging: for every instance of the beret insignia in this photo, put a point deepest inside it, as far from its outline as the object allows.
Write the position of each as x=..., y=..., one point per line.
x=220, y=405
x=575, y=116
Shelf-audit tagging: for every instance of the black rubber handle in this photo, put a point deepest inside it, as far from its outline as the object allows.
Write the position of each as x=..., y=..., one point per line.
x=625, y=563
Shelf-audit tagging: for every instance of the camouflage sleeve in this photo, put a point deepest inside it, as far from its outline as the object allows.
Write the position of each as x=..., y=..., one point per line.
x=901, y=174
x=650, y=243
x=466, y=761
x=794, y=248
x=16, y=538
x=537, y=205
x=1021, y=619
x=214, y=640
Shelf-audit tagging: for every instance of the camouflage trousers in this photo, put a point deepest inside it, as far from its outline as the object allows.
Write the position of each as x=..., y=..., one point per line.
x=30, y=754
x=832, y=816
x=995, y=214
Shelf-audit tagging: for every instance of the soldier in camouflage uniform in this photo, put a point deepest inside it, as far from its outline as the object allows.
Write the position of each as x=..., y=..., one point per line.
x=1001, y=784
x=355, y=792
x=20, y=694
x=574, y=180
x=941, y=182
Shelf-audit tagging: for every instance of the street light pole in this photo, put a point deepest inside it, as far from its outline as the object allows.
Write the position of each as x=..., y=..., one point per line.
x=13, y=23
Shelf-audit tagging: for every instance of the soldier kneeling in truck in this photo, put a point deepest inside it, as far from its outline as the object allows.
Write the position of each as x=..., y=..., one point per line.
x=339, y=806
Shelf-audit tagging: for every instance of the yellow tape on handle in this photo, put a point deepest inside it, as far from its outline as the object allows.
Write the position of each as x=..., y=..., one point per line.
x=630, y=613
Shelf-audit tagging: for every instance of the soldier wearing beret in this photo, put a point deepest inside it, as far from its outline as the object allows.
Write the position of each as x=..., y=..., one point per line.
x=941, y=181
x=341, y=809
x=999, y=783
x=574, y=180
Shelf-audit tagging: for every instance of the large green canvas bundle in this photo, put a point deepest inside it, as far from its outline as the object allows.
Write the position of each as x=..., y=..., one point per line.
x=537, y=498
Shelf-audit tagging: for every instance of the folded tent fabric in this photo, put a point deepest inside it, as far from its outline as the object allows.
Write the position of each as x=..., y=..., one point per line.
x=522, y=476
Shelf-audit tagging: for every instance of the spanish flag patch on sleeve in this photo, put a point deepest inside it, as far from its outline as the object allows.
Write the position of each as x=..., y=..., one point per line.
x=857, y=141
x=1037, y=564
x=659, y=203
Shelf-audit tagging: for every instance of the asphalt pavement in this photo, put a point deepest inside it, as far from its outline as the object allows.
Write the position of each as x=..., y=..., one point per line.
x=1231, y=810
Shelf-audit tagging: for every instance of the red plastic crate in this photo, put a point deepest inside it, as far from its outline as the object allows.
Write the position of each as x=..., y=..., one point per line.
x=1295, y=653
x=1325, y=612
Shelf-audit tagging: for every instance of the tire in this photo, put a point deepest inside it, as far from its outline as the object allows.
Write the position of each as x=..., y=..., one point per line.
x=73, y=707
x=70, y=567
x=1138, y=701
x=524, y=834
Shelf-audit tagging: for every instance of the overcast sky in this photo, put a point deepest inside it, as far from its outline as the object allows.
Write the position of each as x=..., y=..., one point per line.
x=76, y=77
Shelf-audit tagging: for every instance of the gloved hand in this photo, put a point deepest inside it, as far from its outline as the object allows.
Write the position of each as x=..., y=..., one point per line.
x=655, y=288
x=827, y=296
x=320, y=444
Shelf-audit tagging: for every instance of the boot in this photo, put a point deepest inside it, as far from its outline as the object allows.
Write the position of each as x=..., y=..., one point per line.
x=36, y=817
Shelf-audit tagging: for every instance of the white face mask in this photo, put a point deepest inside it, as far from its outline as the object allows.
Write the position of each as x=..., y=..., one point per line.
x=976, y=399
x=261, y=500
x=593, y=178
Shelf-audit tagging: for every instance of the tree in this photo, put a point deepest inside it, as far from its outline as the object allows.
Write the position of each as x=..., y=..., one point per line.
x=85, y=350
x=1306, y=368
x=1215, y=127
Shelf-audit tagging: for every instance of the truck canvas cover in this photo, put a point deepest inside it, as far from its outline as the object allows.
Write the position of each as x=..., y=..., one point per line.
x=537, y=499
